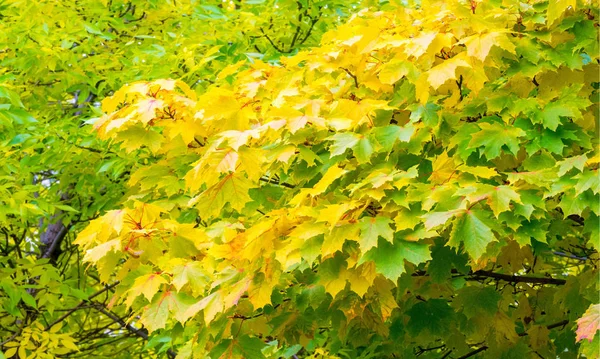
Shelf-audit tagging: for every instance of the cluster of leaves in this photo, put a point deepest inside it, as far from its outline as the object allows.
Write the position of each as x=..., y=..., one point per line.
x=57, y=60
x=425, y=182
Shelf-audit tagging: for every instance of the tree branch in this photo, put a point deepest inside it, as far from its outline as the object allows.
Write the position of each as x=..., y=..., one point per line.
x=505, y=277
x=519, y=279
x=270, y=180
x=138, y=332
x=271, y=41
x=56, y=242
x=351, y=75
x=568, y=255
x=81, y=305
x=562, y=323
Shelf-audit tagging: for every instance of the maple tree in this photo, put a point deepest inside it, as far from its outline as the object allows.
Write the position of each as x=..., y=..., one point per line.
x=58, y=59
x=422, y=183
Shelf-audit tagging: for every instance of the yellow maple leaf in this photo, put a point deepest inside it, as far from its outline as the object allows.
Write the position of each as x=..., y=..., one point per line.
x=445, y=71
x=148, y=285
x=443, y=167
x=479, y=46
x=328, y=178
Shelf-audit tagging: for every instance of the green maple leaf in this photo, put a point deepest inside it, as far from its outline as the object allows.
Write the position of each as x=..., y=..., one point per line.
x=232, y=189
x=387, y=136
x=393, y=71
x=434, y=315
x=428, y=113
x=363, y=150
x=500, y=197
x=389, y=257
x=461, y=140
x=587, y=180
x=136, y=137
x=443, y=259
x=371, y=228
x=470, y=230
x=569, y=163
x=191, y=273
x=571, y=203
x=477, y=301
x=493, y=136
x=434, y=219
x=361, y=146
x=553, y=112
x=155, y=316
x=342, y=142
x=531, y=229
x=148, y=285
x=244, y=347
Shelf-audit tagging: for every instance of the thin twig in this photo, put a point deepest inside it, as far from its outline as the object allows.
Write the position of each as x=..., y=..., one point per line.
x=562, y=323
x=139, y=332
x=351, y=75
x=81, y=305
x=270, y=180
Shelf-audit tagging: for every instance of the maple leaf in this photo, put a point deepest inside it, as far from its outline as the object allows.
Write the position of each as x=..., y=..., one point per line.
x=371, y=228
x=428, y=113
x=211, y=304
x=479, y=45
x=557, y=8
x=479, y=171
x=571, y=162
x=500, y=198
x=342, y=142
x=396, y=69
x=389, y=257
x=472, y=232
x=191, y=273
x=443, y=168
x=155, y=316
x=232, y=189
x=434, y=219
x=432, y=315
x=476, y=301
x=362, y=278
x=146, y=109
x=387, y=136
x=587, y=180
x=553, y=112
x=136, y=137
x=98, y=252
x=589, y=324
x=505, y=328
x=148, y=285
x=493, y=136
x=445, y=71
x=333, y=274
x=328, y=178
x=229, y=162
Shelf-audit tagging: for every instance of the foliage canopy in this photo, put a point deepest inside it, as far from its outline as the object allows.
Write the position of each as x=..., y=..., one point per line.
x=422, y=183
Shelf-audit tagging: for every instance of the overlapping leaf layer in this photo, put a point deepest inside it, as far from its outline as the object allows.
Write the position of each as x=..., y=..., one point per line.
x=423, y=182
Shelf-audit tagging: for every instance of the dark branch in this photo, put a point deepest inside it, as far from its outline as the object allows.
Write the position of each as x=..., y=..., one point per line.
x=568, y=255
x=271, y=42
x=81, y=305
x=138, y=332
x=474, y=352
x=505, y=277
x=519, y=279
x=48, y=253
x=273, y=181
x=351, y=75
